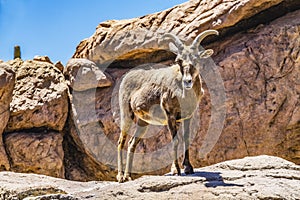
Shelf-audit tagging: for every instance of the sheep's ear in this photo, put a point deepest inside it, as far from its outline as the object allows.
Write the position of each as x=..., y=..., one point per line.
x=206, y=53
x=173, y=48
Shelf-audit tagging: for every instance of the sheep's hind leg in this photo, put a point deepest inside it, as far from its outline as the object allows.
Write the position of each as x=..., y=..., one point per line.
x=126, y=122
x=188, y=168
x=140, y=131
x=121, y=143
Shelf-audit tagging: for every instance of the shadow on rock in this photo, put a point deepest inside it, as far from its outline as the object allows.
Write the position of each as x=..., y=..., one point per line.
x=213, y=179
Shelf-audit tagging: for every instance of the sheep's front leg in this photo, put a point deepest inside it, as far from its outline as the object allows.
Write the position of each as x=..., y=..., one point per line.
x=121, y=142
x=140, y=131
x=175, y=169
x=188, y=168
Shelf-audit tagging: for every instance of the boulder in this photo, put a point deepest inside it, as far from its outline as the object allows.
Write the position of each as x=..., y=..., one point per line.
x=80, y=165
x=254, y=58
x=38, y=111
x=7, y=82
x=115, y=38
x=42, y=59
x=40, y=96
x=36, y=152
x=262, y=177
x=59, y=66
x=261, y=79
x=85, y=128
x=83, y=74
x=85, y=78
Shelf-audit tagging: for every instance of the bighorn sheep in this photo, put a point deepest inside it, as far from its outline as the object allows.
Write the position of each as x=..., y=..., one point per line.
x=163, y=96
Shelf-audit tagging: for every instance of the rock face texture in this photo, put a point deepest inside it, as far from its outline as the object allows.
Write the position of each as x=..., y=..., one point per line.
x=80, y=162
x=7, y=82
x=116, y=38
x=83, y=74
x=260, y=70
x=262, y=177
x=257, y=55
x=40, y=153
x=38, y=112
x=64, y=122
x=40, y=97
x=84, y=77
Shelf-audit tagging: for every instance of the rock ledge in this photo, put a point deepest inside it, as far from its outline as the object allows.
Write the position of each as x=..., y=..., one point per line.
x=261, y=177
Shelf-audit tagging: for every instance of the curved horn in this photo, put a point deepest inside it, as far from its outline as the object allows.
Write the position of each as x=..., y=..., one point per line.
x=175, y=39
x=201, y=36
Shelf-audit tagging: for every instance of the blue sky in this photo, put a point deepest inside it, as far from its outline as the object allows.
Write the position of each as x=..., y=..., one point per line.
x=55, y=27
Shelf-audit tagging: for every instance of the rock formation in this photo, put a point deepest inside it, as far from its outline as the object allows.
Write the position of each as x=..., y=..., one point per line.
x=262, y=177
x=41, y=153
x=38, y=112
x=7, y=82
x=83, y=74
x=40, y=97
x=63, y=122
x=260, y=70
x=116, y=38
x=257, y=54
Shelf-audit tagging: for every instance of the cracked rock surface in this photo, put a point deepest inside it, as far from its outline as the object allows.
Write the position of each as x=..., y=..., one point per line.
x=40, y=97
x=72, y=132
x=38, y=111
x=259, y=66
x=185, y=20
x=260, y=71
x=7, y=82
x=261, y=177
x=41, y=153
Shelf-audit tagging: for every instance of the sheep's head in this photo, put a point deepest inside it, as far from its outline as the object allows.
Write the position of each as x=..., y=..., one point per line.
x=187, y=56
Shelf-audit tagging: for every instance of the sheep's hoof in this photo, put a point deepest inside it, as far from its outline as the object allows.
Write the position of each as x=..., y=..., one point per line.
x=175, y=170
x=127, y=178
x=120, y=178
x=188, y=169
